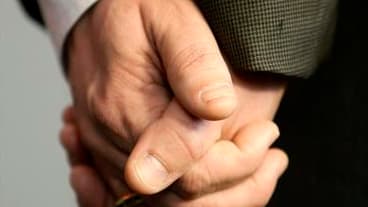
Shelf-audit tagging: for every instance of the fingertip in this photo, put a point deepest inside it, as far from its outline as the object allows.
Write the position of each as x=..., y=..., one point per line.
x=267, y=126
x=66, y=136
x=279, y=159
x=211, y=103
x=284, y=160
x=145, y=175
x=68, y=114
x=77, y=178
x=257, y=135
x=213, y=98
x=219, y=108
x=132, y=179
x=275, y=129
x=88, y=187
x=69, y=139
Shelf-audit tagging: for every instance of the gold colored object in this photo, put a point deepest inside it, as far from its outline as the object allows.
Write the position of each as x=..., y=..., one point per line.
x=129, y=200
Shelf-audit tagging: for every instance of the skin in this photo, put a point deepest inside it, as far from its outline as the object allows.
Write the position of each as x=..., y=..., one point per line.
x=254, y=190
x=136, y=75
x=146, y=75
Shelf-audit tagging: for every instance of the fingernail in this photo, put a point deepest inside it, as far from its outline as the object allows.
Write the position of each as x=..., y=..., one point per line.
x=217, y=92
x=152, y=172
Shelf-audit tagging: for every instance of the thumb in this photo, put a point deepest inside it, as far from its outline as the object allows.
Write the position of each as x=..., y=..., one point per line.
x=195, y=68
x=168, y=149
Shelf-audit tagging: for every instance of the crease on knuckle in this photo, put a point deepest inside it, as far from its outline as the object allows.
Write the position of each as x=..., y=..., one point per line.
x=194, y=184
x=190, y=57
x=105, y=115
x=99, y=108
x=188, y=146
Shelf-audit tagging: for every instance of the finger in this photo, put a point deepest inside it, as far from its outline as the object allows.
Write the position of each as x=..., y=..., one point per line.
x=112, y=177
x=89, y=189
x=68, y=114
x=264, y=180
x=168, y=148
x=195, y=67
x=227, y=162
x=77, y=156
x=252, y=192
x=108, y=158
x=70, y=140
x=95, y=142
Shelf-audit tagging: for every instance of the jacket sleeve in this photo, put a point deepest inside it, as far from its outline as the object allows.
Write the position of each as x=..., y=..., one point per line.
x=279, y=36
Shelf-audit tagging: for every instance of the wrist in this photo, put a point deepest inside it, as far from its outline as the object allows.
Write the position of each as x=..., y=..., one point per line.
x=78, y=32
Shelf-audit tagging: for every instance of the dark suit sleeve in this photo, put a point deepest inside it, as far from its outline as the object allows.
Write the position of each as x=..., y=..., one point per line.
x=32, y=9
x=285, y=37
x=289, y=37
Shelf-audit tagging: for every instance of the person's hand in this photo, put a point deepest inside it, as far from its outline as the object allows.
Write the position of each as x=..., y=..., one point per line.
x=92, y=192
x=142, y=71
x=90, y=189
x=246, y=140
x=149, y=71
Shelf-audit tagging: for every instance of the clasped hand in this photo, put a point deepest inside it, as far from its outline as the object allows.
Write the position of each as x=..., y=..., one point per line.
x=157, y=109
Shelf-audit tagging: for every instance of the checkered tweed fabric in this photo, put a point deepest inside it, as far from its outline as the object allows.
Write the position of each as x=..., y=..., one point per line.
x=288, y=37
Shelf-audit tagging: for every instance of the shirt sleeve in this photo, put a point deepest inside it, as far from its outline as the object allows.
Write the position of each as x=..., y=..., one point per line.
x=60, y=16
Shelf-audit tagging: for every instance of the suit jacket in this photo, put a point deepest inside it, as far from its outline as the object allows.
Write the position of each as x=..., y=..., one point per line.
x=283, y=36
x=323, y=120
x=323, y=123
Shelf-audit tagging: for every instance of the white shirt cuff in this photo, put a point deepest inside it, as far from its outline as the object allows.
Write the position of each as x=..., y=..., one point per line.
x=61, y=15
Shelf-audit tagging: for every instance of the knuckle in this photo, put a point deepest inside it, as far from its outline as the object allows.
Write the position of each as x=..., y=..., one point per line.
x=270, y=126
x=190, y=145
x=194, y=184
x=104, y=112
x=99, y=108
x=192, y=57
